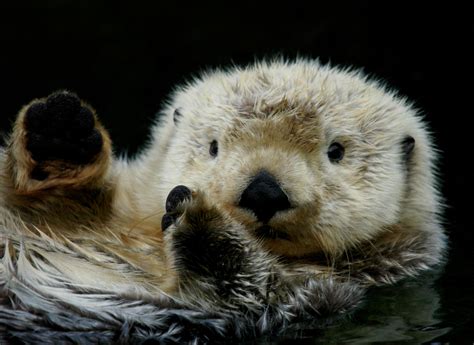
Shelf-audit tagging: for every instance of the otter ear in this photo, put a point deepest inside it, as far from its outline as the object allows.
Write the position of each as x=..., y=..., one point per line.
x=408, y=144
x=177, y=115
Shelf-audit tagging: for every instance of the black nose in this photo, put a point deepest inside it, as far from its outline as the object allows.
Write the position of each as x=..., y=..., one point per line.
x=264, y=197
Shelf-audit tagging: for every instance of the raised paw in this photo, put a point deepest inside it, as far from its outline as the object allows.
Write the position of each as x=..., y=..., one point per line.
x=212, y=255
x=177, y=196
x=57, y=142
x=61, y=127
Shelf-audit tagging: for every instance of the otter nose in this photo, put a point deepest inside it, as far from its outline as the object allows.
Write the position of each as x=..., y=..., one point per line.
x=264, y=197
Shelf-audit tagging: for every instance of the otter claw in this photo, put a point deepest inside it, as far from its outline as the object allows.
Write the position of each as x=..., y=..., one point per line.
x=177, y=195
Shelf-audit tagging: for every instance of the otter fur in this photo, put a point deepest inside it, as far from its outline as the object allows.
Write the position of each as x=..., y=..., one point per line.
x=268, y=195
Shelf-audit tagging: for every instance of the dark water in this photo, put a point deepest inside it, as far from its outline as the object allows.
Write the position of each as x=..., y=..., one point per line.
x=437, y=307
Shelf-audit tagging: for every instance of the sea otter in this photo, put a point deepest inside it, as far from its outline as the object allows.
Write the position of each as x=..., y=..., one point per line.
x=267, y=195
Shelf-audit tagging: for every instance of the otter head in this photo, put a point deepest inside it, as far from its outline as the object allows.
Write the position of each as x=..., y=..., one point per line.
x=310, y=159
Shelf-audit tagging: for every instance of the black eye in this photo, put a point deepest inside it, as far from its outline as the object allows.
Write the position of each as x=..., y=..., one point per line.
x=214, y=148
x=335, y=152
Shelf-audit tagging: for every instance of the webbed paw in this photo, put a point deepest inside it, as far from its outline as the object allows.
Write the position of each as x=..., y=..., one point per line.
x=58, y=141
x=61, y=127
x=203, y=240
x=212, y=254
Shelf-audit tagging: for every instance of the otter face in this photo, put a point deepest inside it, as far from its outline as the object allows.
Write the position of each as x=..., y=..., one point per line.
x=309, y=159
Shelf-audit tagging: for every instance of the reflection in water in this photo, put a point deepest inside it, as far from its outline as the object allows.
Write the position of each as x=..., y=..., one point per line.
x=407, y=312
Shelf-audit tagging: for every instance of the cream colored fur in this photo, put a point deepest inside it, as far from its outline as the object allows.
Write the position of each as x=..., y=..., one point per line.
x=372, y=218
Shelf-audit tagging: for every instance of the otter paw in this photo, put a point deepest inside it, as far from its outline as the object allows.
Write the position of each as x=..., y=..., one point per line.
x=208, y=250
x=61, y=127
x=176, y=197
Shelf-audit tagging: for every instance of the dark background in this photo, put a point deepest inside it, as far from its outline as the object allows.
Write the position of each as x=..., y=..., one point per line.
x=125, y=57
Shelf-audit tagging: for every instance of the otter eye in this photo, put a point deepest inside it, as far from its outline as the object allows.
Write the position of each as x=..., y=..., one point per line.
x=214, y=148
x=335, y=152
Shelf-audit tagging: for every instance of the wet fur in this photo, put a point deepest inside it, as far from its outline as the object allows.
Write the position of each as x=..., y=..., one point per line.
x=84, y=257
